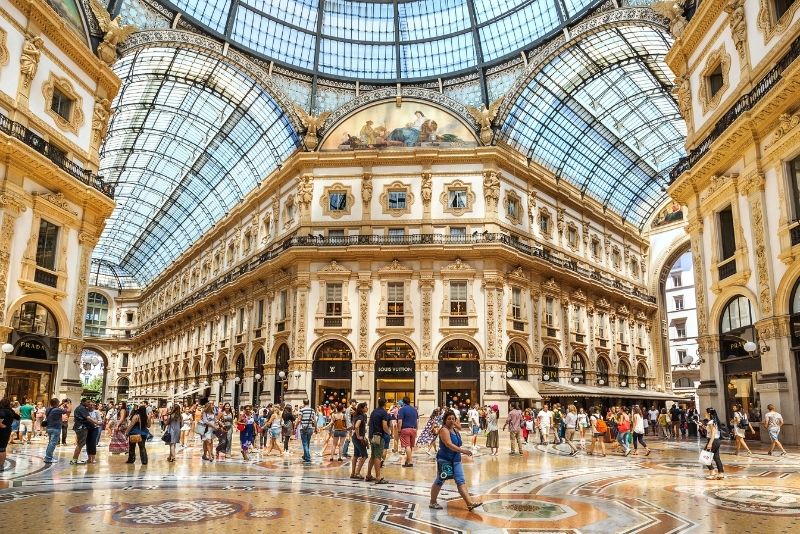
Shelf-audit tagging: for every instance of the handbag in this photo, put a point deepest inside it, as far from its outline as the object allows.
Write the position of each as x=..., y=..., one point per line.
x=706, y=457
x=135, y=438
x=167, y=437
x=200, y=428
x=445, y=469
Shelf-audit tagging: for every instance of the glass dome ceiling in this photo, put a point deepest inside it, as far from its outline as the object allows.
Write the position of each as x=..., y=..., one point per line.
x=383, y=39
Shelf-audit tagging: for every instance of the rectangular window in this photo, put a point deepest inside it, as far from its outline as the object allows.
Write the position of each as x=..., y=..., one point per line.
x=621, y=328
x=572, y=236
x=260, y=313
x=457, y=198
x=681, y=355
x=46, y=245
x=548, y=311
x=458, y=297
x=397, y=200
x=678, y=302
x=129, y=317
x=282, y=305
x=224, y=324
x=680, y=331
x=61, y=104
x=336, y=235
x=333, y=300
x=544, y=224
x=240, y=323
x=676, y=280
x=124, y=360
x=395, y=298
x=794, y=179
x=513, y=209
x=601, y=325
x=396, y=235
x=715, y=81
x=577, y=318
x=595, y=248
x=458, y=232
x=213, y=330
x=516, y=303
x=337, y=200
x=727, y=237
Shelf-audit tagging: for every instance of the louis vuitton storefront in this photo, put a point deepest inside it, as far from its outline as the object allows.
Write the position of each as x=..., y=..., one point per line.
x=31, y=366
x=394, y=371
x=459, y=375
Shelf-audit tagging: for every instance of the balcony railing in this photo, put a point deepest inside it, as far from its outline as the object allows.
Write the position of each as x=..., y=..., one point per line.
x=555, y=259
x=46, y=278
x=459, y=321
x=86, y=176
x=727, y=269
x=551, y=332
x=519, y=326
x=741, y=106
x=280, y=326
x=395, y=320
x=332, y=322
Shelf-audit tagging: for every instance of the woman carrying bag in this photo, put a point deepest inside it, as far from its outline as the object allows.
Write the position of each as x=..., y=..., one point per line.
x=173, y=431
x=448, y=463
x=712, y=445
x=137, y=433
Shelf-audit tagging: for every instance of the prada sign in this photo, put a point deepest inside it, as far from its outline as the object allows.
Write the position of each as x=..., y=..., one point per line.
x=394, y=369
x=34, y=347
x=337, y=369
x=459, y=369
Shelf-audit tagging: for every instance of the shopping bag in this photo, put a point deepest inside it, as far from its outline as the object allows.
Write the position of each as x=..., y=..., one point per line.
x=706, y=457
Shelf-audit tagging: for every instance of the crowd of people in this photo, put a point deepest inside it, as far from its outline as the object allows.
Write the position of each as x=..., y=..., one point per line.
x=352, y=430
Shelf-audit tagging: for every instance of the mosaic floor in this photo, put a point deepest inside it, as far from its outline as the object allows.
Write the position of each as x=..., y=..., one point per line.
x=544, y=490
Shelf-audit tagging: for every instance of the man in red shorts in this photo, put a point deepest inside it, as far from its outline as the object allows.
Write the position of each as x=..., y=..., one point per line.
x=408, y=419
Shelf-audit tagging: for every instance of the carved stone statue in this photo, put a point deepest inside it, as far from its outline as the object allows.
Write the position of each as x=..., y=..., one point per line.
x=491, y=187
x=366, y=188
x=29, y=60
x=683, y=95
x=102, y=112
x=427, y=188
x=672, y=10
x=484, y=118
x=114, y=32
x=735, y=10
x=311, y=123
x=305, y=190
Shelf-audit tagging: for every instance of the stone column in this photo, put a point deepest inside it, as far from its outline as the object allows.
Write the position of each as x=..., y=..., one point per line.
x=299, y=388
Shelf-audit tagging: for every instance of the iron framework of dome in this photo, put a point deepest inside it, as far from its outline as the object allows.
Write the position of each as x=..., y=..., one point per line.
x=596, y=109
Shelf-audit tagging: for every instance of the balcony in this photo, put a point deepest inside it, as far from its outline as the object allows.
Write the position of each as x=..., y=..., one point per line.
x=519, y=326
x=280, y=326
x=459, y=320
x=26, y=136
x=395, y=320
x=580, y=338
x=45, y=277
x=239, y=338
x=332, y=322
x=727, y=269
x=551, y=332
x=603, y=343
x=258, y=332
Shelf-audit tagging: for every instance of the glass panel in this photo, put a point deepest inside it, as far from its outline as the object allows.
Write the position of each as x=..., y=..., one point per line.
x=46, y=245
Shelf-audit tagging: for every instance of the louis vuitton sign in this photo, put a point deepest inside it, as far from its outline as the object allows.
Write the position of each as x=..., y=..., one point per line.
x=394, y=369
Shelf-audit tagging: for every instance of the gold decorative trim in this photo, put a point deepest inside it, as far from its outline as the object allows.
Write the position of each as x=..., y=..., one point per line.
x=718, y=58
x=511, y=197
x=4, y=55
x=445, y=196
x=75, y=120
x=396, y=187
x=349, y=200
x=768, y=23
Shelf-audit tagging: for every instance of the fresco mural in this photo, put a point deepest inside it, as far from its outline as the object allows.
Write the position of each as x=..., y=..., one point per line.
x=386, y=126
x=68, y=10
x=672, y=213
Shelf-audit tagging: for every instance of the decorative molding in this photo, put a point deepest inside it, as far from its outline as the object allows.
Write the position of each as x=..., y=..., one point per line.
x=336, y=268
x=738, y=25
x=768, y=23
x=445, y=196
x=762, y=260
x=545, y=215
x=458, y=266
x=531, y=206
x=305, y=190
x=56, y=199
x=516, y=213
x=100, y=117
x=682, y=91
x=717, y=58
x=75, y=119
x=395, y=267
x=491, y=190
x=786, y=123
x=325, y=200
x=396, y=187
x=80, y=302
x=4, y=55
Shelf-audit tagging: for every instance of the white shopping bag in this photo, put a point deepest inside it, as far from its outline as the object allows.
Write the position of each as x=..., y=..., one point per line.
x=706, y=457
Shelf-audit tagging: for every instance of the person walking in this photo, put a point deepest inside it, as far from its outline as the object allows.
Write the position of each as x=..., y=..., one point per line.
x=623, y=430
x=174, y=429
x=639, y=431
x=339, y=433
x=52, y=424
x=287, y=426
x=571, y=424
x=427, y=438
x=273, y=428
x=349, y=413
x=208, y=424
x=474, y=424
x=379, y=430
x=599, y=429
x=360, y=441
x=543, y=421
x=137, y=433
x=664, y=423
x=408, y=419
x=26, y=418
x=246, y=425
x=675, y=421
x=225, y=424
x=716, y=469
x=493, y=432
x=513, y=423
x=583, y=427
x=186, y=425
x=448, y=463
x=773, y=421
x=81, y=428
x=740, y=425
x=307, y=425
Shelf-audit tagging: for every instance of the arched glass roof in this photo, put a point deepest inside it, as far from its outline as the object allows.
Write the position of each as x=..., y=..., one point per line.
x=190, y=137
x=601, y=116
x=383, y=39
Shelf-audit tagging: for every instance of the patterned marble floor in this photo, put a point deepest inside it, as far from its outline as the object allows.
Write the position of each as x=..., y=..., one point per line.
x=542, y=491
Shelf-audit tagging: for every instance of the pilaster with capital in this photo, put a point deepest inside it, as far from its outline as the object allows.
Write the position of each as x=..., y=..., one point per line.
x=364, y=287
x=426, y=286
x=12, y=206
x=753, y=188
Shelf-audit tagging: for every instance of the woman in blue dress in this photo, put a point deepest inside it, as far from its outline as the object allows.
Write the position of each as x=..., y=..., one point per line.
x=448, y=460
x=247, y=432
x=410, y=134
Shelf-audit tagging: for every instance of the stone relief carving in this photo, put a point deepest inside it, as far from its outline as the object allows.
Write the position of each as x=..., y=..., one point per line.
x=700, y=295
x=764, y=291
x=114, y=32
x=484, y=117
x=491, y=189
x=364, y=287
x=311, y=123
x=29, y=60
x=100, y=116
x=426, y=284
x=305, y=190
x=56, y=199
x=683, y=95
x=736, y=20
x=80, y=303
x=4, y=55
x=672, y=10
x=786, y=123
x=366, y=187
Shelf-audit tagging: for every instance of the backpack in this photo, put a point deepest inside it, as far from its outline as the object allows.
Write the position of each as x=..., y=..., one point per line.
x=743, y=422
x=339, y=424
x=601, y=426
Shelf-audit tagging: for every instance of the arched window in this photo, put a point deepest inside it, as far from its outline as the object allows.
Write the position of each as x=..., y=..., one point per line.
x=795, y=301
x=624, y=373
x=282, y=358
x=641, y=375
x=240, y=366
x=737, y=314
x=794, y=319
x=35, y=318
x=516, y=354
x=395, y=349
x=578, y=369
x=96, y=315
x=458, y=349
x=333, y=350
x=602, y=372
x=549, y=365
x=683, y=382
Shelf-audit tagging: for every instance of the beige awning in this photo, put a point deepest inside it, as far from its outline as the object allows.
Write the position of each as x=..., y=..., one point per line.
x=524, y=389
x=558, y=388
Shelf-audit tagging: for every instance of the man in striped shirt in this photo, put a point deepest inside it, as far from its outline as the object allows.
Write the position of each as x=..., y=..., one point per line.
x=307, y=424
